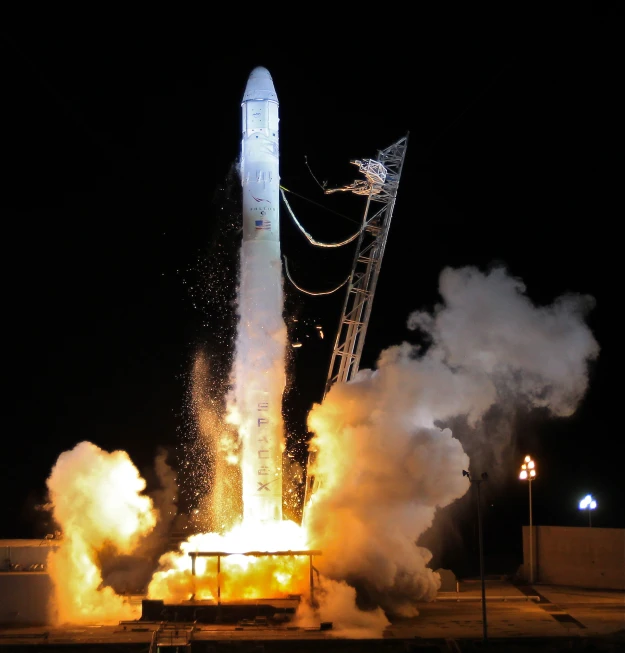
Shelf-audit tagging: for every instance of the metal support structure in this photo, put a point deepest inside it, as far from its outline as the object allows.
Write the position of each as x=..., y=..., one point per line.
x=531, y=537
x=218, y=580
x=312, y=582
x=479, y=522
x=478, y=483
x=528, y=472
x=256, y=554
x=350, y=337
x=382, y=184
x=169, y=637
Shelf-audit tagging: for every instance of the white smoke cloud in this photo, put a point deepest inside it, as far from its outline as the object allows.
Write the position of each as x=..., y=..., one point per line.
x=385, y=467
x=96, y=498
x=385, y=461
x=131, y=573
x=488, y=327
x=336, y=603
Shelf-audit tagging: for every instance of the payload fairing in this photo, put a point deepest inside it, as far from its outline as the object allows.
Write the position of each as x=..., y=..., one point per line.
x=261, y=343
x=260, y=154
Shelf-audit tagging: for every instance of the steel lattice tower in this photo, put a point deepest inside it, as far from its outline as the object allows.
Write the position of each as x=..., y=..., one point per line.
x=381, y=190
x=350, y=337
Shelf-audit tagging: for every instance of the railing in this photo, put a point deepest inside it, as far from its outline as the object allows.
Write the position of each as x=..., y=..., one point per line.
x=256, y=554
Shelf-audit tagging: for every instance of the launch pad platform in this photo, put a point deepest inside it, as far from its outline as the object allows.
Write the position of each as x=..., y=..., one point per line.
x=251, y=612
x=569, y=619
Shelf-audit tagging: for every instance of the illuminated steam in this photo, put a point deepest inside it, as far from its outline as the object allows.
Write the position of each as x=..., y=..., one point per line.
x=384, y=464
x=386, y=460
x=96, y=499
x=241, y=576
x=130, y=573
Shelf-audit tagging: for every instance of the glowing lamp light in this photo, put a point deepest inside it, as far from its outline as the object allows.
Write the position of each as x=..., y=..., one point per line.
x=528, y=469
x=528, y=473
x=587, y=503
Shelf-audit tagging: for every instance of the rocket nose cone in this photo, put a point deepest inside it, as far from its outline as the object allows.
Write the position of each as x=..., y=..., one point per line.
x=260, y=86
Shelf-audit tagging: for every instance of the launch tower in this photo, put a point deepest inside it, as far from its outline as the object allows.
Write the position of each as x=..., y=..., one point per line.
x=381, y=185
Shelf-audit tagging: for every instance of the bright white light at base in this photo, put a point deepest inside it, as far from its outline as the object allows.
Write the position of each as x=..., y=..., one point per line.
x=532, y=473
x=523, y=475
x=587, y=503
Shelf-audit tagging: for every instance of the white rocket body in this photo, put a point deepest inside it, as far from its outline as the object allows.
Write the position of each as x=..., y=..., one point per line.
x=261, y=343
x=260, y=157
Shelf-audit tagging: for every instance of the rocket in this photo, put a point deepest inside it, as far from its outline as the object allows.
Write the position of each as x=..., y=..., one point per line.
x=261, y=336
x=260, y=156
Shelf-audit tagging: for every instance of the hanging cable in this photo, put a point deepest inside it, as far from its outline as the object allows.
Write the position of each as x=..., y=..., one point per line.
x=310, y=238
x=308, y=292
x=321, y=206
x=325, y=183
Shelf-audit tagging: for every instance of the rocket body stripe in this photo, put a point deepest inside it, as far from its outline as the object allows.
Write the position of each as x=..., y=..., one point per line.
x=259, y=364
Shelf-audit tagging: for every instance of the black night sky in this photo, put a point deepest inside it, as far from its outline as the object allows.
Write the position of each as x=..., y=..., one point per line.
x=118, y=203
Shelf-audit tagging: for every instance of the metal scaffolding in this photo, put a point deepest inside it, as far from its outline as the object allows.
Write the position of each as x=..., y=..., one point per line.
x=382, y=190
x=256, y=554
x=382, y=182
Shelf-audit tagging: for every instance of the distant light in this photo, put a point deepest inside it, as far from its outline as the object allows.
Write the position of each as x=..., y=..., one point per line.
x=296, y=345
x=528, y=469
x=587, y=503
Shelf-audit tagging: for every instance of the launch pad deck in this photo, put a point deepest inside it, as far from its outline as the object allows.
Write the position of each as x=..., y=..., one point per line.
x=254, y=611
x=563, y=619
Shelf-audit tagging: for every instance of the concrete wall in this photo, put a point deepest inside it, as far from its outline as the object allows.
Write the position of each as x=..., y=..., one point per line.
x=579, y=557
x=25, y=588
x=24, y=598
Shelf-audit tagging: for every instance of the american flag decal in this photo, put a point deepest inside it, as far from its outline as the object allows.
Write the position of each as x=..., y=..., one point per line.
x=262, y=225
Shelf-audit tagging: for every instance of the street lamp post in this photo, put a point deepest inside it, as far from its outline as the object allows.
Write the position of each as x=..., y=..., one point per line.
x=589, y=504
x=478, y=482
x=528, y=473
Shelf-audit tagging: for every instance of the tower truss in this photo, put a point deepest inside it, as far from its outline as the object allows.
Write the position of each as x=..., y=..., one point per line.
x=382, y=185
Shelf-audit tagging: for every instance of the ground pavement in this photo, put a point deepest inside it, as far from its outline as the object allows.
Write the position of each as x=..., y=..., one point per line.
x=519, y=618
